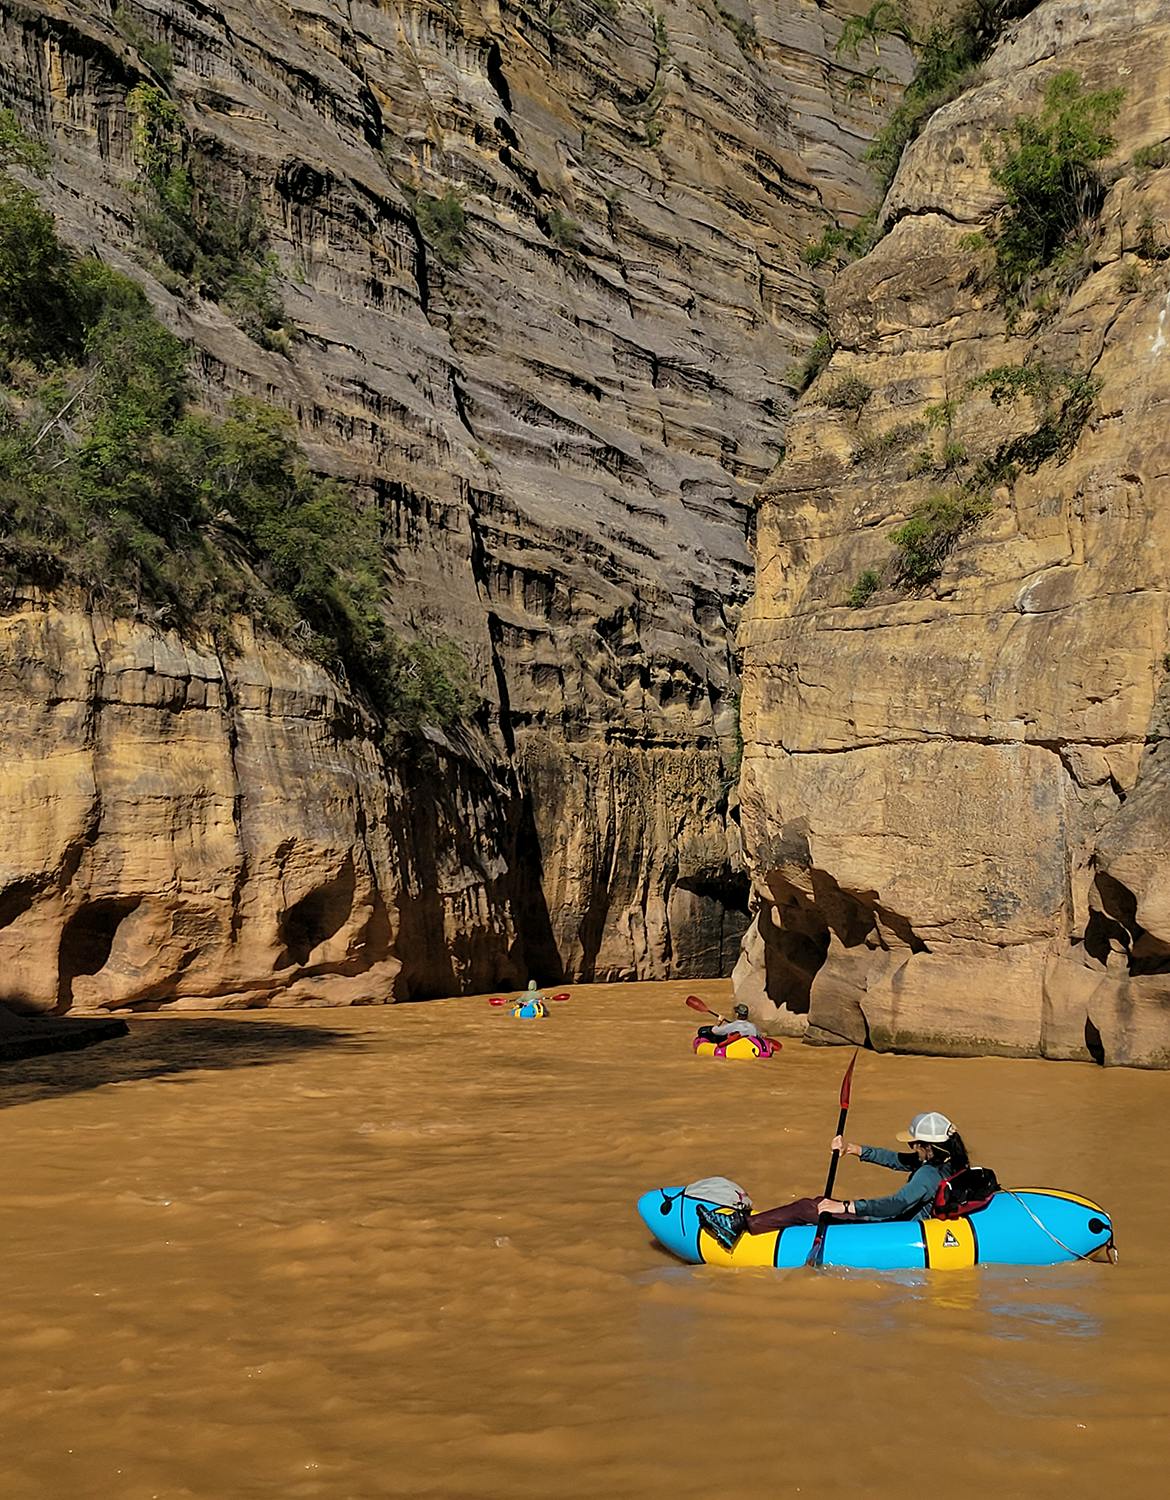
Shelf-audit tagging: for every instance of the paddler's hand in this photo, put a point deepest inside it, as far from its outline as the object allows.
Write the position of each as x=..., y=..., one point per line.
x=831, y=1206
x=844, y=1147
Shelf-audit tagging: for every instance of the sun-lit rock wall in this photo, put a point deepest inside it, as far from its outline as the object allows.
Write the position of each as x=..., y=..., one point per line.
x=954, y=799
x=561, y=425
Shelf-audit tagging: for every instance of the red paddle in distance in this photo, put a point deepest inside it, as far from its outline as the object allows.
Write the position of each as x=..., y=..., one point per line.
x=503, y=999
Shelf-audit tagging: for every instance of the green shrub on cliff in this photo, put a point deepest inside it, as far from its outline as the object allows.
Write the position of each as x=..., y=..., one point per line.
x=849, y=244
x=745, y=33
x=930, y=534
x=1151, y=242
x=802, y=374
x=883, y=18
x=563, y=230
x=1147, y=159
x=1064, y=400
x=1046, y=164
x=154, y=51
x=867, y=585
x=850, y=393
x=949, y=53
x=111, y=482
x=875, y=447
x=39, y=293
x=442, y=222
x=216, y=246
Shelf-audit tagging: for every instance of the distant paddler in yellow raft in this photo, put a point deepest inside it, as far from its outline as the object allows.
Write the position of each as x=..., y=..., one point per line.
x=738, y=1039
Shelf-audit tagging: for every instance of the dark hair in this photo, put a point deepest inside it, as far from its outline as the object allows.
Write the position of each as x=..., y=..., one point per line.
x=951, y=1155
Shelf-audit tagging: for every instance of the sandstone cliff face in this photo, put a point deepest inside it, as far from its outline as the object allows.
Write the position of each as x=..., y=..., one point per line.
x=561, y=427
x=954, y=799
x=191, y=827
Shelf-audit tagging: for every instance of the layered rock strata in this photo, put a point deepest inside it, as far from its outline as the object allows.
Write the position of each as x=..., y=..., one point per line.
x=954, y=797
x=560, y=416
x=193, y=827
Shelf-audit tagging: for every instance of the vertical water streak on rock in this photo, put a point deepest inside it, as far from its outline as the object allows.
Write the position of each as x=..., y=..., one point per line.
x=241, y=874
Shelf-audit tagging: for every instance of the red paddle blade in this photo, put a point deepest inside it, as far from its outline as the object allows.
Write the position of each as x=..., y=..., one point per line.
x=847, y=1081
x=696, y=1004
x=497, y=1000
x=564, y=995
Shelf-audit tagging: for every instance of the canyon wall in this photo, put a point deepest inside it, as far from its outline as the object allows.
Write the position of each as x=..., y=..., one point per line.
x=560, y=421
x=954, y=795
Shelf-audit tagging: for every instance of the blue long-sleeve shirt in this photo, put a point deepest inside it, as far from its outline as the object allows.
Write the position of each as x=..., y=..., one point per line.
x=914, y=1201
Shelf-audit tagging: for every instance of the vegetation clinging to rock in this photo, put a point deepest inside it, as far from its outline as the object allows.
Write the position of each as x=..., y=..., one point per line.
x=876, y=446
x=1065, y=400
x=1046, y=164
x=563, y=230
x=154, y=51
x=928, y=537
x=744, y=32
x=868, y=583
x=1147, y=159
x=111, y=481
x=850, y=393
x=853, y=242
x=803, y=374
x=218, y=248
x=949, y=53
x=442, y=222
x=883, y=18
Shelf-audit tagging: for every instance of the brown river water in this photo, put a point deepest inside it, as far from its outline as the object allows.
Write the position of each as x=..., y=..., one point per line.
x=393, y=1252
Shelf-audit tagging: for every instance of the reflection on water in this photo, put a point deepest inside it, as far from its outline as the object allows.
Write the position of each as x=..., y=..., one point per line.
x=394, y=1253
x=980, y=1298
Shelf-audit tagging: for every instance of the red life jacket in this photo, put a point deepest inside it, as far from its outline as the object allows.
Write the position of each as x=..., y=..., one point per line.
x=964, y=1192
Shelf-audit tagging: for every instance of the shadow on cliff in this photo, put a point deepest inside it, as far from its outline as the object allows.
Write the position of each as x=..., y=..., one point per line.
x=166, y=1049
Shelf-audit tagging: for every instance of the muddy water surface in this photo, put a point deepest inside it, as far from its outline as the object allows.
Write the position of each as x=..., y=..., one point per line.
x=392, y=1252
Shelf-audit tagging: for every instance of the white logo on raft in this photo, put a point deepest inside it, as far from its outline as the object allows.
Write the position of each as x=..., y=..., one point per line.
x=949, y=1241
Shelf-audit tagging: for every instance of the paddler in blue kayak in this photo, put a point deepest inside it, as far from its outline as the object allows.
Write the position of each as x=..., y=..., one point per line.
x=936, y=1151
x=530, y=1003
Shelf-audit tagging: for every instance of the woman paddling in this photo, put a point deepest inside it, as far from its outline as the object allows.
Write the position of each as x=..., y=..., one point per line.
x=936, y=1151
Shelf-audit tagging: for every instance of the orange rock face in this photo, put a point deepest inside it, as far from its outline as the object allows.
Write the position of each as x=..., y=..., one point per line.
x=953, y=794
x=561, y=421
x=187, y=828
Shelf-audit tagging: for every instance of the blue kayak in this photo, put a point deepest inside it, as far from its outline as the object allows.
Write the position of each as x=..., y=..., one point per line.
x=1019, y=1227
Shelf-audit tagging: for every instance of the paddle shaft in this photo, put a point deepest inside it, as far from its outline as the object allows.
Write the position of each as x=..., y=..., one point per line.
x=836, y=1156
x=817, y=1253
